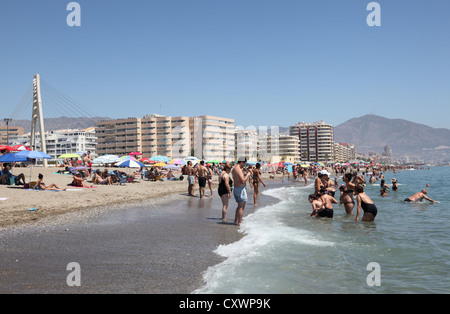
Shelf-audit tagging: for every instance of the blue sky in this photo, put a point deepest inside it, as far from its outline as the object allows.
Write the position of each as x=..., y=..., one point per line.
x=261, y=62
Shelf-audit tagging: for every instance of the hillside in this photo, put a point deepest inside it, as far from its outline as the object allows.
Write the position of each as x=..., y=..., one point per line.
x=371, y=133
x=60, y=123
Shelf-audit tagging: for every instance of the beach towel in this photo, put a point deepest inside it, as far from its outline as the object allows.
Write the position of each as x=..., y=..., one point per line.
x=64, y=174
x=82, y=187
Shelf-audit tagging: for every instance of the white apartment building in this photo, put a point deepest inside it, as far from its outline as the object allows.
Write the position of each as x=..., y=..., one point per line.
x=213, y=138
x=62, y=142
x=246, y=144
x=289, y=150
x=344, y=152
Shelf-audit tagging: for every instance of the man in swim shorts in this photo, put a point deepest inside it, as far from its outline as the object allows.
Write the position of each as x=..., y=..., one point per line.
x=240, y=191
x=191, y=178
x=201, y=173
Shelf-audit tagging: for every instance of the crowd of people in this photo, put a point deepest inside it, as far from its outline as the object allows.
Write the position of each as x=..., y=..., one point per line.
x=232, y=180
x=351, y=194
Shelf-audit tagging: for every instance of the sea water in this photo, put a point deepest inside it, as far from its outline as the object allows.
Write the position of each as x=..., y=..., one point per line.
x=284, y=250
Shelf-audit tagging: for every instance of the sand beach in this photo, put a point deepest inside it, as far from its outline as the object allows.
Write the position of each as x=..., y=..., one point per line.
x=15, y=210
x=147, y=237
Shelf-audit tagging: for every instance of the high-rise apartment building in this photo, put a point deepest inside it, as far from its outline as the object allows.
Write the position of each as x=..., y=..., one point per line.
x=205, y=137
x=289, y=150
x=213, y=138
x=165, y=136
x=316, y=141
x=246, y=142
x=118, y=137
x=7, y=132
x=344, y=152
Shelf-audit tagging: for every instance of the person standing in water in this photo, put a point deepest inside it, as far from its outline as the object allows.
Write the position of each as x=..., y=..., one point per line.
x=240, y=192
x=256, y=181
x=347, y=194
x=364, y=202
x=225, y=188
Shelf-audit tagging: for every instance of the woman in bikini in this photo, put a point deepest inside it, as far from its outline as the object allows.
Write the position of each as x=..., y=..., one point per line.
x=347, y=194
x=40, y=185
x=364, y=202
x=256, y=180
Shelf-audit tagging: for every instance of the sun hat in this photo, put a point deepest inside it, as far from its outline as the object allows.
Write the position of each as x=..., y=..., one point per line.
x=324, y=172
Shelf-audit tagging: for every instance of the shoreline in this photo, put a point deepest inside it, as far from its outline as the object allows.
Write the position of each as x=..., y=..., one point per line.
x=25, y=206
x=161, y=245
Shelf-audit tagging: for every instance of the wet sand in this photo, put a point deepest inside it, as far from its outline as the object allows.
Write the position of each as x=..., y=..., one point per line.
x=157, y=246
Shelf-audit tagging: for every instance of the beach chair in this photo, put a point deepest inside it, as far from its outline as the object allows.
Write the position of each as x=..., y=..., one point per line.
x=120, y=178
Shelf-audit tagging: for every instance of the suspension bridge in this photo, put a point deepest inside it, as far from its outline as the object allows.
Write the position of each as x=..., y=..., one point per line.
x=42, y=100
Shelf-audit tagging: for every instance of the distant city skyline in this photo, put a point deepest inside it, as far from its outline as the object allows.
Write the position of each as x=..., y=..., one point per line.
x=261, y=63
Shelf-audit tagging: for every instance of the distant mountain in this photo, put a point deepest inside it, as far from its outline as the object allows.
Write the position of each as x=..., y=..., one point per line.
x=371, y=133
x=52, y=124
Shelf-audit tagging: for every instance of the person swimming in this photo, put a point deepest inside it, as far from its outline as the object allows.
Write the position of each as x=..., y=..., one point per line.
x=419, y=196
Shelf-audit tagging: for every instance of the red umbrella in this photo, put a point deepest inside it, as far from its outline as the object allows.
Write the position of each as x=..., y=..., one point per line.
x=134, y=154
x=19, y=148
x=6, y=147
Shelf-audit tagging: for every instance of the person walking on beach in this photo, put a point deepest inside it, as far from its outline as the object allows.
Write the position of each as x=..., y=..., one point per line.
x=209, y=178
x=256, y=180
x=419, y=197
x=191, y=178
x=364, y=202
x=240, y=192
x=225, y=188
x=201, y=174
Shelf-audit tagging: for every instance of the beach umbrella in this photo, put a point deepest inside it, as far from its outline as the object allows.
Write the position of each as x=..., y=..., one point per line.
x=6, y=147
x=160, y=158
x=192, y=158
x=178, y=161
x=159, y=164
x=130, y=163
x=19, y=148
x=12, y=158
x=288, y=164
x=135, y=154
x=69, y=156
x=213, y=162
x=33, y=155
x=171, y=166
x=106, y=159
